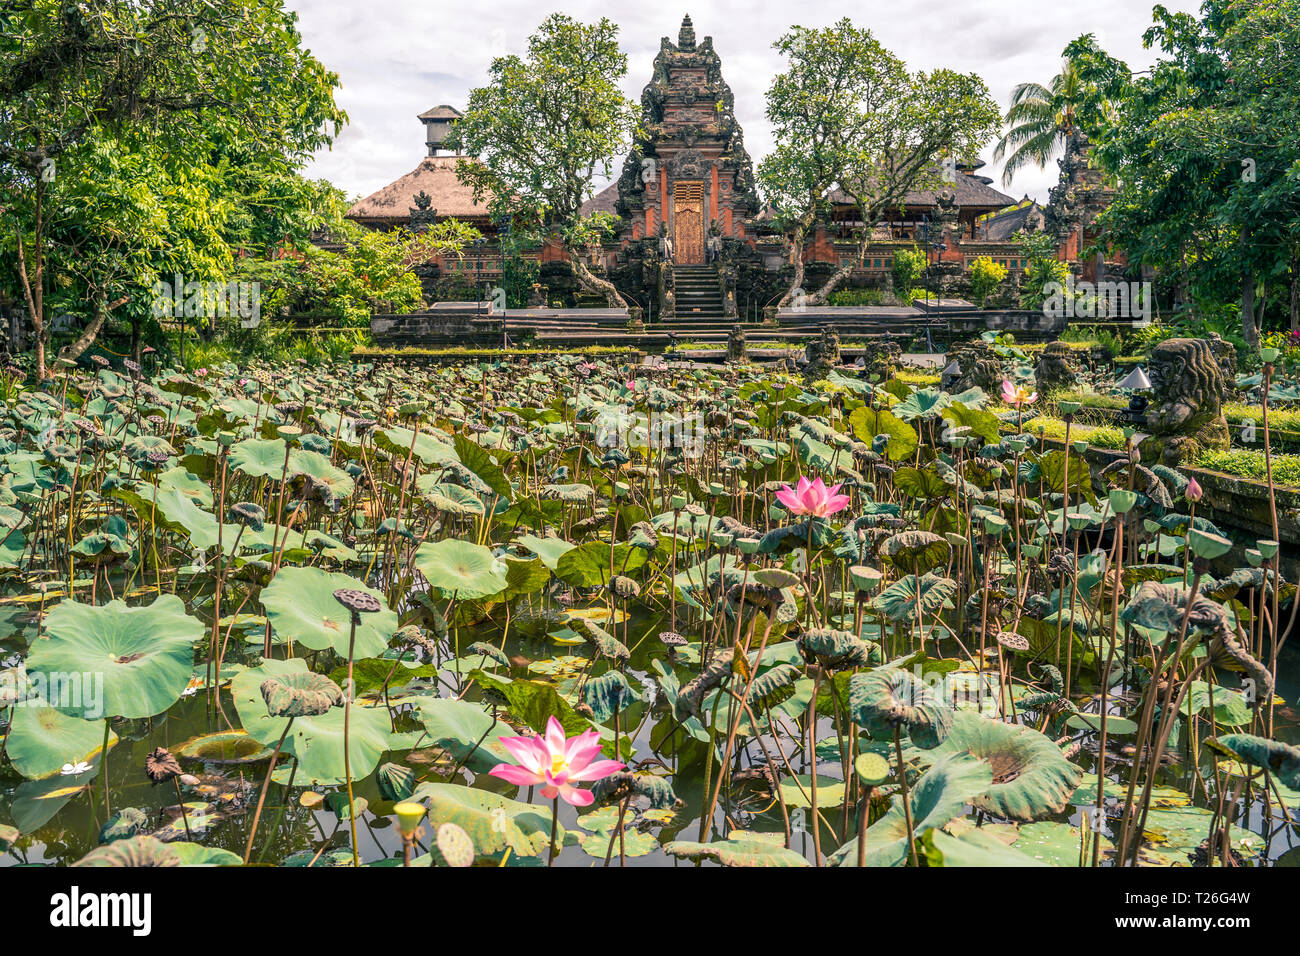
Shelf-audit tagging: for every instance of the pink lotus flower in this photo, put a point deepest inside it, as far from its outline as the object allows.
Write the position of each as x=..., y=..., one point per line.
x=1017, y=395
x=1193, y=492
x=812, y=498
x=556, y=763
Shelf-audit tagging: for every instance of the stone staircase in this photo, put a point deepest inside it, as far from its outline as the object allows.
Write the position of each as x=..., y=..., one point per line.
x=699, y=297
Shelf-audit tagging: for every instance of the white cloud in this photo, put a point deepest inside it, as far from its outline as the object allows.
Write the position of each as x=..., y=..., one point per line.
x=396, y=58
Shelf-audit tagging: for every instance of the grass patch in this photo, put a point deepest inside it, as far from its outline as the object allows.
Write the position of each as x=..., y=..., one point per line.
x=365, y=354
x=1103, y=436
x=1248, y=463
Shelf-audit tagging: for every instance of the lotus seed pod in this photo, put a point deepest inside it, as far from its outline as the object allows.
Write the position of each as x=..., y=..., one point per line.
x=455, y=845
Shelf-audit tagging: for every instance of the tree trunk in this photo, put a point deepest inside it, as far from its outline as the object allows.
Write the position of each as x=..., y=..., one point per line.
x=1249, y=331
x=831, y=284
x=87, y=338
x=593, y=283
x=34, y=287
x=1295, y=295
x=796, y=256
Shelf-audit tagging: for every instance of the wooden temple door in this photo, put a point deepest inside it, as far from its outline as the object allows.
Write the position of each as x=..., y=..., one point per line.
x=688, y=222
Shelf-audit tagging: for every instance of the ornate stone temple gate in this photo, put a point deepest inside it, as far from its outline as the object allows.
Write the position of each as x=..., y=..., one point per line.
x=688, y=177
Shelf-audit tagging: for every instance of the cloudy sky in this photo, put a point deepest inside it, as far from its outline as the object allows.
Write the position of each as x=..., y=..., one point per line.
x=397, y=58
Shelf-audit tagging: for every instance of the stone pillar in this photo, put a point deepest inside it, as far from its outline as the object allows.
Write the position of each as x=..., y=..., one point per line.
x=713, y=192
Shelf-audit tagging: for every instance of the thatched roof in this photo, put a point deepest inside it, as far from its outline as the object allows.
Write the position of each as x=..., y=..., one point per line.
x=603, y=201
x=1005, y=223
x=442, y=112
x=971, y=191
x=435, y=176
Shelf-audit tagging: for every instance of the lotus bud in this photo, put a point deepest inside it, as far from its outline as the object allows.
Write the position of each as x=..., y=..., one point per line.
x=1193, y=492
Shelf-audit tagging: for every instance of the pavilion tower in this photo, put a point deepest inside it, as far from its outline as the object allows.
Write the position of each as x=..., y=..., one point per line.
x=688, y=170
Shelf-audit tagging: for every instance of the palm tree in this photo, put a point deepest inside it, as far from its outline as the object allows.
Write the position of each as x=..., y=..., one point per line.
x=1040, y=120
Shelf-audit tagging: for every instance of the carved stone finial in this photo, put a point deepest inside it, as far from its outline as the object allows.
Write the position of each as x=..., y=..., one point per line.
x=686, y=38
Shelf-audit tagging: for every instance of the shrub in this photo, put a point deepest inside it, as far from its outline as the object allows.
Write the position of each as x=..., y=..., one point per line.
x=856, y=297
x=909, y=265
x=985, y=276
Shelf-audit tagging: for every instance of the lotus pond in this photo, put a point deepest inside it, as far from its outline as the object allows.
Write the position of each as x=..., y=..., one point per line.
x=576, y=614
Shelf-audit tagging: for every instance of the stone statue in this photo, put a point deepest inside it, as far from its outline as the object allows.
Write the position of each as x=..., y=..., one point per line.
x=423, y=215
x=880, y=358
x=1055, y=369
x=822, y=354
x=980, y=368
x=1186, y=411
x=736, y=345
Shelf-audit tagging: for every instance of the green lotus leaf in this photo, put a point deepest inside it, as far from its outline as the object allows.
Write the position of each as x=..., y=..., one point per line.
x=329, y=482
x=939, y=796
x=396, y=782
x=925, y=403
x=125, y=823
x=605, y=642
x=522, y=828
x=476, y=458
x=460, y=568
x=317, y=741
x=607, y=695
x=773, y=687
x=1278, y=758
x=748, y=849
x=550, y=550
x=587, y=566
x=453, y=500
x=835, y=650
x=465, y=731
x=916, y=551
x=1162, y=607
x=1030, y=777
x=922, y=483
x=603, y=825
x=132, y=851
x=431, y=447
x=41, y=740
x=983, y=424
x=972, y=847
x=302, y=694
x=259, y=458
x=195, y=854
x=224, y=748
x=898, y=601
x=890, y=698
x=301, y=607
x=144, y=654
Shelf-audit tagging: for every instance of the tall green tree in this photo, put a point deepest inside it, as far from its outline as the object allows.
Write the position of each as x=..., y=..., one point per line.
x=1206, y=148
x=542, y=130
x=153, y=77
x=1042, y=118
x=847, y=113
